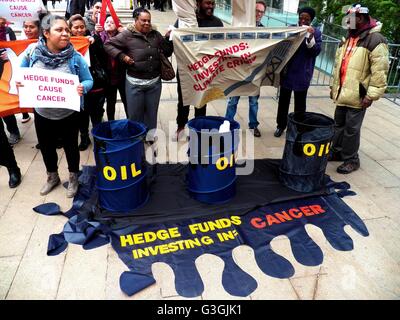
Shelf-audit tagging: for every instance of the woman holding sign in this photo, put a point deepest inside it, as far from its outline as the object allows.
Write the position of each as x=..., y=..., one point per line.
x=54, y=51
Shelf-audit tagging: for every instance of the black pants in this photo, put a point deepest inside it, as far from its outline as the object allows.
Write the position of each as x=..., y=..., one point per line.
x=284, y=102
x=111, y=96
x=11, y=123
x=144, y=3
x=346, y=140
x=7, y=157
x=93, y=109
x=50, y=131
x=183, y=111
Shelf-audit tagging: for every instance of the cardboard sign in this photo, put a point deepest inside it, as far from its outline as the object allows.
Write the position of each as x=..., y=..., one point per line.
x=19, y=11
x=51, y=89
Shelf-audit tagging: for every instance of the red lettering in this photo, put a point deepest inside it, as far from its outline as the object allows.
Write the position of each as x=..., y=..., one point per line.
x=307, y=211
x=283, y=217
x=317, y=209
x=293, y=211
x=271, y=220
x=258, y=223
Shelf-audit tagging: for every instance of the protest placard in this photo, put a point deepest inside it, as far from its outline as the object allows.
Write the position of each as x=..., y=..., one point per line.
x=50, y=89
x=18, y=11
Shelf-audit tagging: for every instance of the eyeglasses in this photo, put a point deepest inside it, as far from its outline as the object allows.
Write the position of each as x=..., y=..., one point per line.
x=259, y=11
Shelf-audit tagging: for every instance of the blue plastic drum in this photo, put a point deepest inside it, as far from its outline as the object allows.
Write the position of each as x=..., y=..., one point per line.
x=121, y=165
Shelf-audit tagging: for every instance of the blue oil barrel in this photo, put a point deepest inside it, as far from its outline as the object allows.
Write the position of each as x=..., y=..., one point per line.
x=121, y=165
x=305, y=157
x=212, y=169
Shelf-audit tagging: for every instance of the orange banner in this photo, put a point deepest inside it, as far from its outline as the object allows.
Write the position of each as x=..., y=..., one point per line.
x=9, y=102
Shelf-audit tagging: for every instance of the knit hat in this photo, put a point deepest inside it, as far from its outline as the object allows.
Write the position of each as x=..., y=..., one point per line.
x=308, y=10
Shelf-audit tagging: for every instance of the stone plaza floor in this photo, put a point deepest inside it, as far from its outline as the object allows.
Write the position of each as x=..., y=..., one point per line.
x=370, y=271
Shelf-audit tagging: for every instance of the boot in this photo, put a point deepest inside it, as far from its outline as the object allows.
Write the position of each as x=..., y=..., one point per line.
x=72, y=184
x=15, y=177
x=53, y=180
x=85, y=142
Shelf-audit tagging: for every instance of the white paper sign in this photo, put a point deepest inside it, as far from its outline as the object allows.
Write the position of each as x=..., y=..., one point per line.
x=48, y=89
x=18, y=11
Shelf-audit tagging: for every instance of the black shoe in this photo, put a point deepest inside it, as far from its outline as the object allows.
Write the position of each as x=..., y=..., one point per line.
x=15, y=177
x=278, y=132
x=85, y=142
x=256, y=132
x=348, y=166
x=59, y=144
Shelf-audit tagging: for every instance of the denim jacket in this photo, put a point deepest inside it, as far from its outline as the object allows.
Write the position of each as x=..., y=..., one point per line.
x=77, y=65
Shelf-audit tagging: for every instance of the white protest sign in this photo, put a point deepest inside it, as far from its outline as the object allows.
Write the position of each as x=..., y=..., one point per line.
x=18, y=11
x=48, y=89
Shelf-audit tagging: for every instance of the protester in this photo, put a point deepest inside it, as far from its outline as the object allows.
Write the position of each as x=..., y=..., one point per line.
x=31, y=30
x=55, y=52
x=359, y=78
x=75, y=7
x=139, y=47
x=298, y=72
x=143, y=4
x=94, y=99
x=116, y=71
x=7, y=159
x=92, y=18
x=205, y=18
x=253, y=100
x=7, y=34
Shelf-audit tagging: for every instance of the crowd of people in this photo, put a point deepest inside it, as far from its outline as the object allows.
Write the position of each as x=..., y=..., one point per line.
x=127, y=60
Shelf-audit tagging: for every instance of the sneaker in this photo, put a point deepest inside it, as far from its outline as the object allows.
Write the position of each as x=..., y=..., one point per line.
x=180, y=132
x=278, y=132
x=14, y=138
x=25, y=117
x=348, y=166
x=256, y=132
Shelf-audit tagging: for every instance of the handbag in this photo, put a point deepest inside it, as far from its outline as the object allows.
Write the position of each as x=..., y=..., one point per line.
x=167, y=71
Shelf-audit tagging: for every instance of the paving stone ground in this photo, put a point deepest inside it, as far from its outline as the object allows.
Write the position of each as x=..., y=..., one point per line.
x=370, y=271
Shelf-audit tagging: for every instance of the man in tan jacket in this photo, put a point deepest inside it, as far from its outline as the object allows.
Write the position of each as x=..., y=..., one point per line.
x=360, y=77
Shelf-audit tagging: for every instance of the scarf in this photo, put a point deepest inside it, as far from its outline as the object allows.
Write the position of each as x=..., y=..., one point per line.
x=53, y=60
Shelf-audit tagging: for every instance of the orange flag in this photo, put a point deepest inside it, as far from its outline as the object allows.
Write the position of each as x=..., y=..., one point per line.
x=9, y=102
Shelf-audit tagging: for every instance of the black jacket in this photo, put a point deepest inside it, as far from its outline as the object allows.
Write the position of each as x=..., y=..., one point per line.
x=143, y=49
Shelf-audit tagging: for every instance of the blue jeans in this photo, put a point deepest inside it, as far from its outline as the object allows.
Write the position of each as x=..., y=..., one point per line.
x=253, y=109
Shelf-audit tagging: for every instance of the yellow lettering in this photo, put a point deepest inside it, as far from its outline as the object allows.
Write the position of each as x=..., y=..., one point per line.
x=134, y=172
x=222, y=163
x=328, y=146
x=126, y=240
x=309, y=149
x=124, y=175
x=109, y=173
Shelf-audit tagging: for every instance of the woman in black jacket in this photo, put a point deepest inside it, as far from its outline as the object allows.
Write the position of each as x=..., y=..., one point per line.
x=139, y=48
